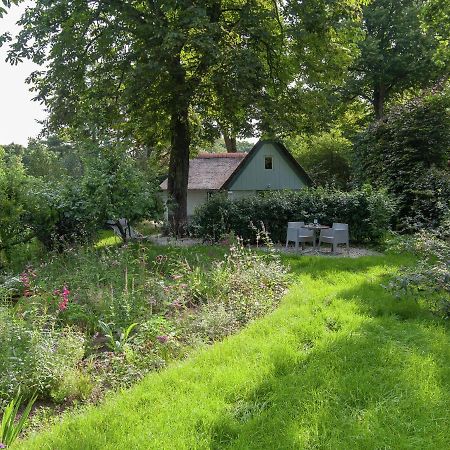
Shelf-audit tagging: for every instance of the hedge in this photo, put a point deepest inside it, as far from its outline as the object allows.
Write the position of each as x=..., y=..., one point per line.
x=368, y=213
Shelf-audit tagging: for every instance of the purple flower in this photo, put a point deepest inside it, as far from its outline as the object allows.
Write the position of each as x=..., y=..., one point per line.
x=162, y=339
x=176, y=304
x=2, y=445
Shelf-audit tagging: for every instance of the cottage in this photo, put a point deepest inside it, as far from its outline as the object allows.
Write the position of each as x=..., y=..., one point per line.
x=268, y=166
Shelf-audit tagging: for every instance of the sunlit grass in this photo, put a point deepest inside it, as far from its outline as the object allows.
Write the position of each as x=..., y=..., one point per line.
x=106, y=238
x=341, y=364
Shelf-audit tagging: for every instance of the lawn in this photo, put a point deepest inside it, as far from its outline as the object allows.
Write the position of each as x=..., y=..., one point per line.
x=341, y=364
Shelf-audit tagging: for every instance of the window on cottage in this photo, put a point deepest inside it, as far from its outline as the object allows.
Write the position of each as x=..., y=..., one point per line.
x=268, y=163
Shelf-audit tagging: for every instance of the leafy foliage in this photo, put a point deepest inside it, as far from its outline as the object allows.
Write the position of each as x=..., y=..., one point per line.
x=368, y=213
x=9, y=429
x=33, y=354
x=325, y=157
x=430, y=278
x=408, y=155
x=116, y=341
x=114, y=188
x=398, y=52
x=52, y=158
x=14, y=184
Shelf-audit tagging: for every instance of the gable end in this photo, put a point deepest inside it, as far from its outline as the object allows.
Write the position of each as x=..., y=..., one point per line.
x=295, y=166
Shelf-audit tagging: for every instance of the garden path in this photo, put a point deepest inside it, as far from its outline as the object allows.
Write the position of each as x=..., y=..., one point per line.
x=355, y=252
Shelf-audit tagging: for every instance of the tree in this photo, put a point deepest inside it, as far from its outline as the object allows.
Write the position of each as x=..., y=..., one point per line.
x=149, y=70
x=436, y=18
x=408, y=153
x=325, y=157
x=397, y=54
x=114, y=188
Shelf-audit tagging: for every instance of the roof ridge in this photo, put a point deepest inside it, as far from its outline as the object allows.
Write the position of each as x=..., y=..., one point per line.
x=206, y=155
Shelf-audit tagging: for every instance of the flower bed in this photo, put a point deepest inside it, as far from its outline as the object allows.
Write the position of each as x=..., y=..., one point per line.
x=85, y=322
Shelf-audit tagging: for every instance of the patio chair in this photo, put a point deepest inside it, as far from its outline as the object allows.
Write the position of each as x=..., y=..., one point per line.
x=337, y=234
x=298, y=234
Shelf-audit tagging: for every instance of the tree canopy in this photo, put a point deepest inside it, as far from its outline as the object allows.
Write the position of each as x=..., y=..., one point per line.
x=168, y=71
x=402, y=49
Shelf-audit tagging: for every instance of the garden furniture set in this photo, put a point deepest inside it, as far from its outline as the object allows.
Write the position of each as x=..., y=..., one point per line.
x=301, y=233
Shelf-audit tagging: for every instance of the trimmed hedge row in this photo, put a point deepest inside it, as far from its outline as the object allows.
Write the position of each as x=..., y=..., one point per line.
x=368, y=213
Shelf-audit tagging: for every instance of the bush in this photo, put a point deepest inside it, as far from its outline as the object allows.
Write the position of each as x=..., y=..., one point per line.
x=115, y=188
x=35, y=357
x=14, y=183
x=429, y=279
x=407, y=153
x=58, y=213
x=368, y=213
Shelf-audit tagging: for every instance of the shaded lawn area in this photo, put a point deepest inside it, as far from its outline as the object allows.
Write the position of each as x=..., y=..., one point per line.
x=341, y=364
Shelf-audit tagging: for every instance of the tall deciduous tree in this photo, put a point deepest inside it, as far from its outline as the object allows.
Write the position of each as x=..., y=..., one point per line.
x=398, y=52
x=146, y=69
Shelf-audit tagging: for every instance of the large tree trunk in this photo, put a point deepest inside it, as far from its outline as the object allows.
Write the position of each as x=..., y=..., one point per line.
x=179, y=171
x=379, y=98
x=179, y=149
x=230, y=142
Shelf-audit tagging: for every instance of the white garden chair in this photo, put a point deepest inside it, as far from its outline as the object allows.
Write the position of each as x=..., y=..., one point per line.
x=337, y=234
x=298, y=234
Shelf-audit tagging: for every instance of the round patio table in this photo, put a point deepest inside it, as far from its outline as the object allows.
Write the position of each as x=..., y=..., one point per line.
x=316, y=227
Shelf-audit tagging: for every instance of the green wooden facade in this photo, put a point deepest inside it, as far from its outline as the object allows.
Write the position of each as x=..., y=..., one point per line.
x=256, y=175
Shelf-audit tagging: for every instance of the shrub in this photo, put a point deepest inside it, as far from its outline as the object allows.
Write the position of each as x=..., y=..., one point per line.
x=75, y=385
x=35, y=357
x=368, y=213
x=58, y=213
x=429, y=279
x=407, y=153
x=115, y=188
x=14, y=183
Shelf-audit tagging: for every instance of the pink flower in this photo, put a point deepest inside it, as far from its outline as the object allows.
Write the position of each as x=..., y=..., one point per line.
x=62, y=305
x=64, y=297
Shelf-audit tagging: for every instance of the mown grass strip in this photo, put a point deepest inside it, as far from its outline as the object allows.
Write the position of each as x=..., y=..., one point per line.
x=340, y=364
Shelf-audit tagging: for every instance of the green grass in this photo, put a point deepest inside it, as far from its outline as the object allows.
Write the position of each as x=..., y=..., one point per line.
x=107, y=238
x=341, y=364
